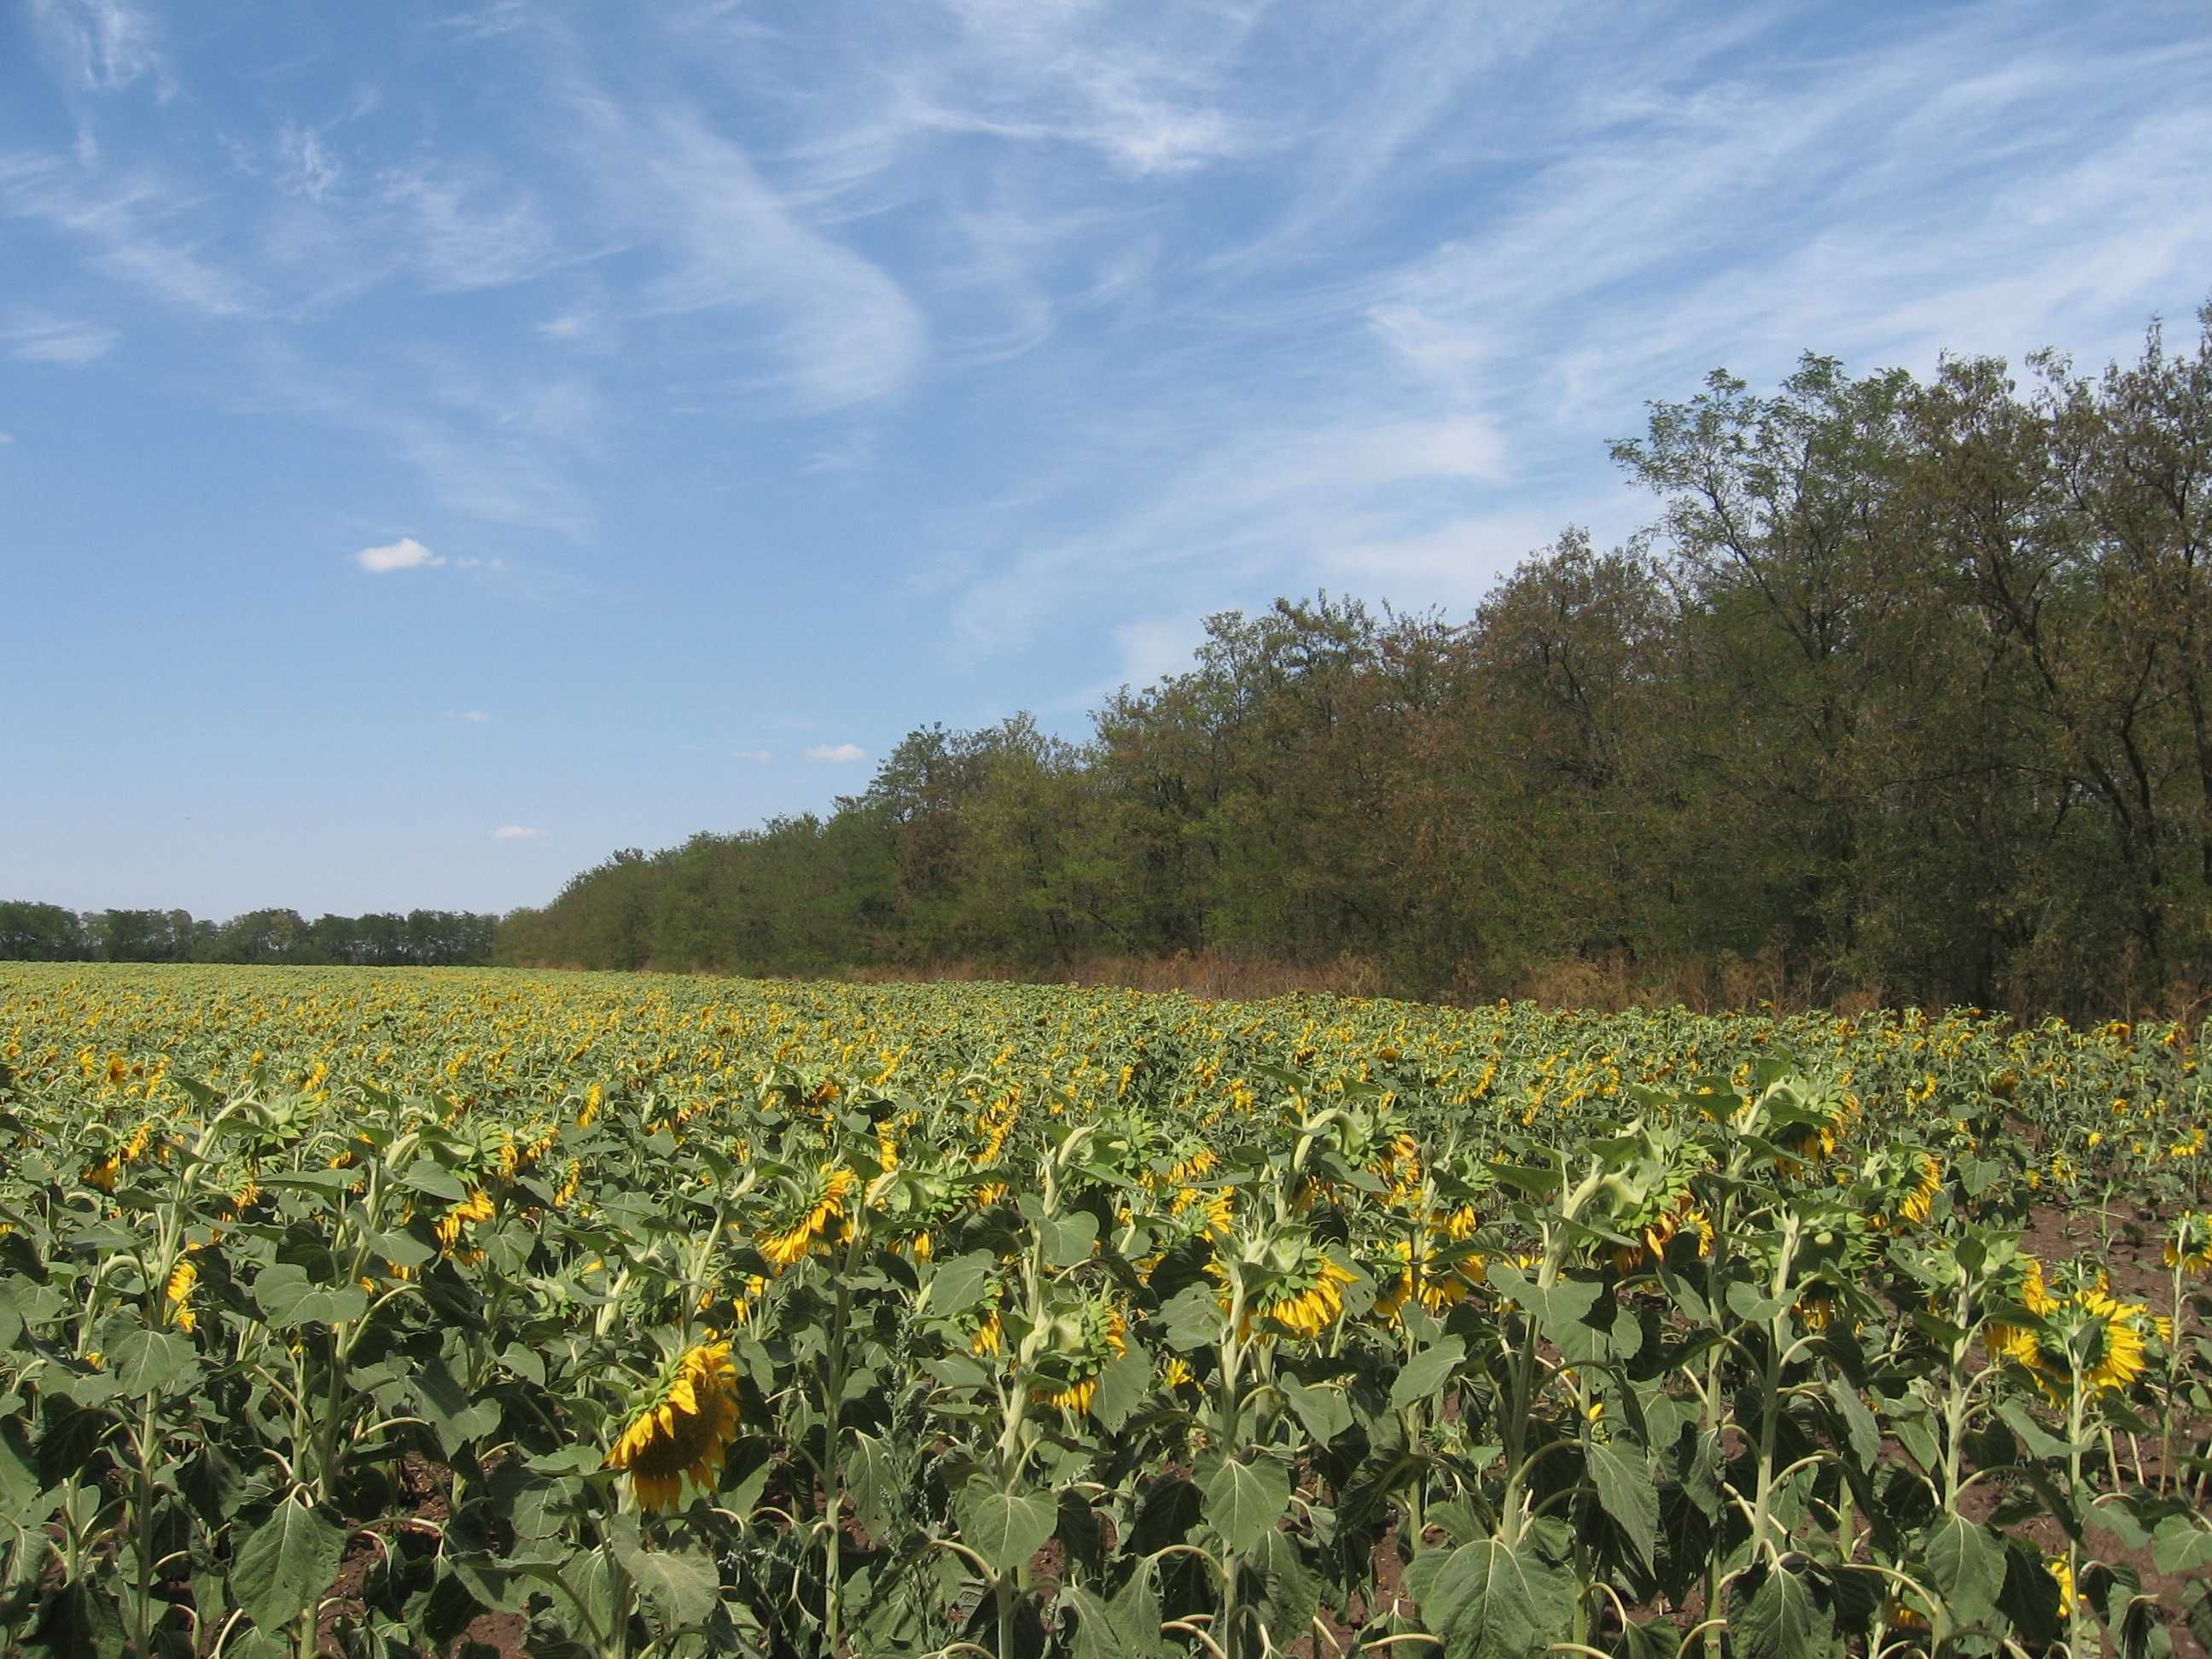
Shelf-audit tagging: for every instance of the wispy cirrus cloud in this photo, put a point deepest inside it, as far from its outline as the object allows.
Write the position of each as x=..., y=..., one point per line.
x=32, y=338
x=128, y=224
x=105, y=45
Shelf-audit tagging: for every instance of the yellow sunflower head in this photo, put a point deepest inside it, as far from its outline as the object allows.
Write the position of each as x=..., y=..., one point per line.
x=1084, y=1341
x=1305, y=1294
x=2189, y=1246
x=814, y=1207
x=682, y=1428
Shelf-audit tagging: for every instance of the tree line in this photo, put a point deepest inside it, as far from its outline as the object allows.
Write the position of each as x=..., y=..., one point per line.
x=1907, y=691
x=33, y=932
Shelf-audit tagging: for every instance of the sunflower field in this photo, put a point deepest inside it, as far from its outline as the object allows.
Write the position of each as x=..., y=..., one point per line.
x=472, y=1313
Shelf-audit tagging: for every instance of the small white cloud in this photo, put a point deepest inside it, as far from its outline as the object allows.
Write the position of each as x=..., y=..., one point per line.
x=836, y=753
x=763, y=756
x=570, y=326
x=6, y=437
x=405, y=554
x=473, y=716
x=518, y=832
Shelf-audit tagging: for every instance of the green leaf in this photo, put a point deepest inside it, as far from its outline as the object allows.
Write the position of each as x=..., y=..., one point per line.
x=1324, y=1412
x=1782, y=1621
x=1967, y=1566
x=1122, y=1387
x=2180, y=1545
x=148, y=1362
x=447, y=1407
x=1292, y=1594
x=681, y=1584
x=1747, y=1303
x=1427, y=1371
x=1863, y=1433
x=1005, y=1528
x=426, y=1177
x=1099, y=1633
x=285, y=1564
x=1244, y=1500
x=1489, y=1600
x=871, y=1482
x=1192, y=1317
x=288, y=1297
x=1068, y=1239
x=1626, y=1488
x=958, y=1285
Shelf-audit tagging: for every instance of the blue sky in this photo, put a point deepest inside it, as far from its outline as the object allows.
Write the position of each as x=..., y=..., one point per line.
x=442, y=445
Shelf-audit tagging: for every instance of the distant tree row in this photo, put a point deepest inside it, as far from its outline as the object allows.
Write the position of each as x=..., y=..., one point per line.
x=426, y=939
x=1908, y=691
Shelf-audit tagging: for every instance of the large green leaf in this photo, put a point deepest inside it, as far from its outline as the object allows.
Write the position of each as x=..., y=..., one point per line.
x=285, y=1564
x=1244, y=1500
x=1005, y=1528
x=680, y=1585
x=288, y=1298
x=1622, y=1475
x=1967, y=1568
x=1427, y=1371
x=1489, y=1600
x=958, y=1285
x=145, y=1362
x=1783, y=1619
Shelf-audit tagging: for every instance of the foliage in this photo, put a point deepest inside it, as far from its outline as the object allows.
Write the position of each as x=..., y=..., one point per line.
x=677, y=1317
x=1910, y=690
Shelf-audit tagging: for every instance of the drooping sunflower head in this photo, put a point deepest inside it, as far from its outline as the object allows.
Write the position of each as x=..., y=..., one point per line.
x=1918, y=1204
x=809, y=1209
x=1303, y=1291
x=2084, y=1337
x=1438, y=1275
x=2189, y=1246
x=682, y=1428
x=1082, y=1341
x=2104, y=1337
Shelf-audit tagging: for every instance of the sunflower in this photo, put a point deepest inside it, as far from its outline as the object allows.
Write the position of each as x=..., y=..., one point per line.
x=1445, y=1279
x=1308, y=1298
x=2190, y=1249
x=179, y=1292
x=1085, y=1342
x=1920, y=1202
x=821, y=1204
x=2087, y=1336
x=1656, y=1234
x=1213, y=1209
x=685, y=1428
x=478, y=1206
x=2063, y=1575
x=1816, y=1307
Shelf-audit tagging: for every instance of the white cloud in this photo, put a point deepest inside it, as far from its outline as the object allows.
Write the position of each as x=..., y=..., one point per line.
x=1154, y=647
x=104, y=43
x=125, y=224
x=306, y=169
x=39, y=339
x=6, y=437
x=473, y=716
x=761, y=756
x=518, y=832
x=463, y=232
x=405, y=554
x=838, y=329
x=836, y=753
